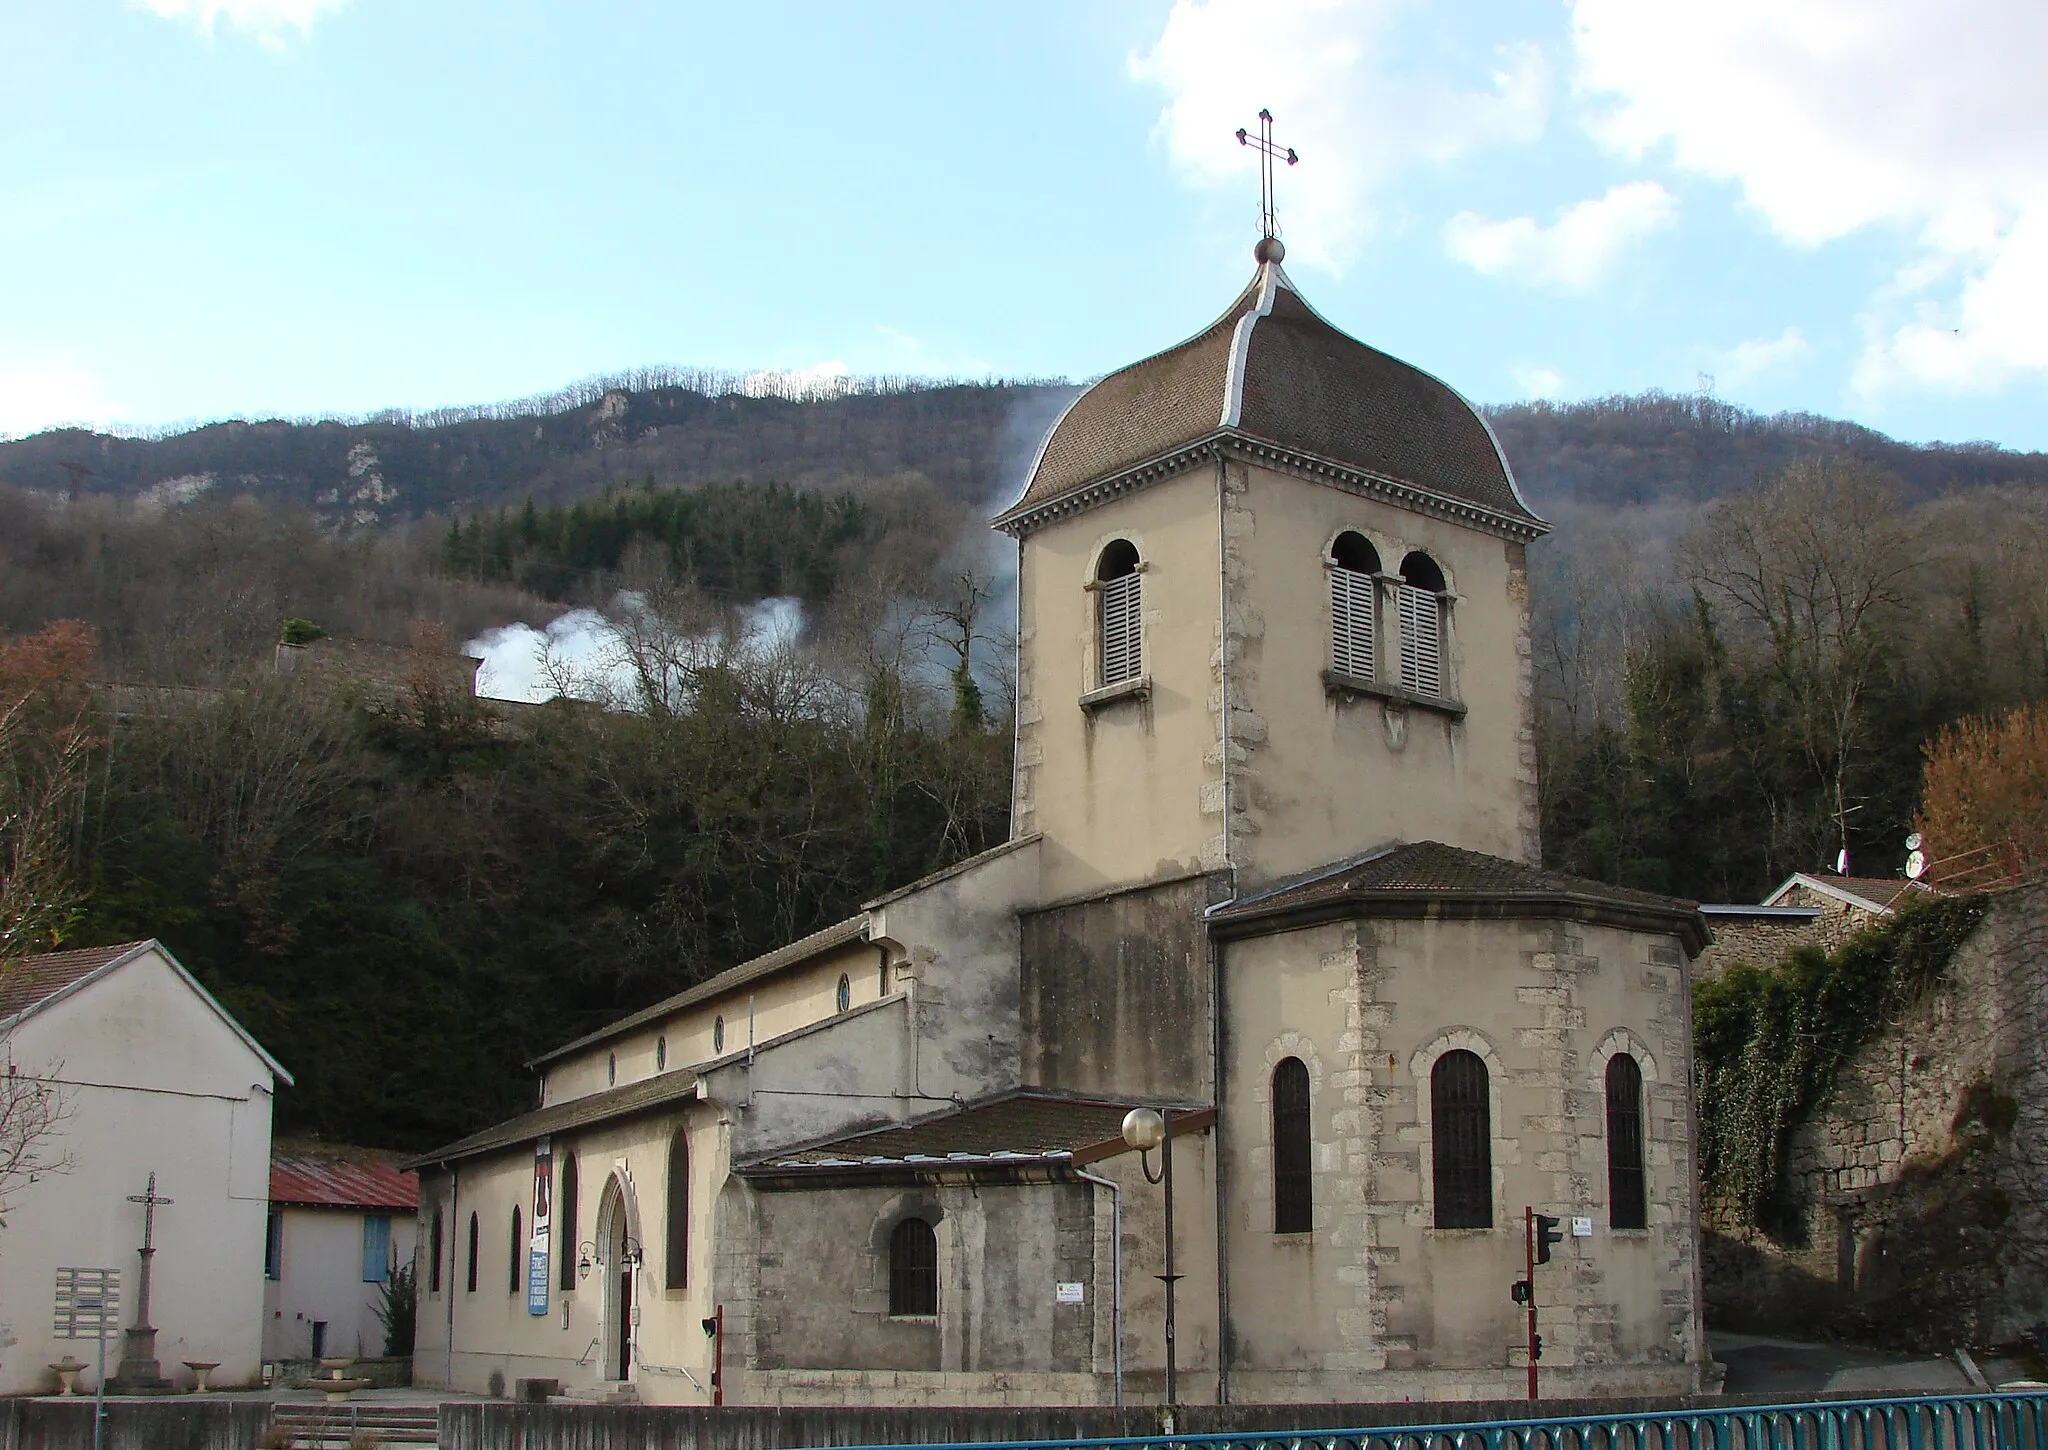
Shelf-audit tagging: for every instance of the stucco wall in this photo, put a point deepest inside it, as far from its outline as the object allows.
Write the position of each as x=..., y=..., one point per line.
x=153, y=1080
x=1375, y=1295
x=320, y=1279
x=1320, y=775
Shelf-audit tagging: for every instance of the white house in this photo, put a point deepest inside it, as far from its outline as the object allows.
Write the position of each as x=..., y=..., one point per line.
x=341, y=1221
x=154, y=1077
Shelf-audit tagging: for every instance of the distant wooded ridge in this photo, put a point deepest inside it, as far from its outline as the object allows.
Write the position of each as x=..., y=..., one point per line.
x=970, y=443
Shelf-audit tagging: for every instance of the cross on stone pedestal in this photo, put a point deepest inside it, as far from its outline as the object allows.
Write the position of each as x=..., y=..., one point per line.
x=139, y=1373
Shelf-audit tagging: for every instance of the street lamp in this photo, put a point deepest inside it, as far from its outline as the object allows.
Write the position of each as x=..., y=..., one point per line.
x=1146, y=1129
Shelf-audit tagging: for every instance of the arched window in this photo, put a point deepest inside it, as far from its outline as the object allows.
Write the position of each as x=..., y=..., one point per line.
x=1353, y=565
x=469, y=1282
x=1293, y=1188
x=1462, y=1132
x=844, y=997
x=717, y=1035
x=1118, y=609
x=913, y=1268
x=1627, y=1193
x=661, y=1054
x=564, y=1240
x=1421, y=593
x=676, y=1262
x=434, y=1248
x=517, y=1256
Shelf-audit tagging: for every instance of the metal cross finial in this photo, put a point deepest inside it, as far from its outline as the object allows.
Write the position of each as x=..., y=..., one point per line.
x=149, y=1198
x=1269, y=152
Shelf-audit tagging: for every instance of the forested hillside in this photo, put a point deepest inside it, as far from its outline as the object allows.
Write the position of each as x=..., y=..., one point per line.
x=1745, y=631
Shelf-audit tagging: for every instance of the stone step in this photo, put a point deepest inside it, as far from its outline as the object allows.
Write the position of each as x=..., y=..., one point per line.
x=329, y=1427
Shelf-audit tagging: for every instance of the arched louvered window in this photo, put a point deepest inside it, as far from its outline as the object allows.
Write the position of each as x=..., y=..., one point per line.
x=1628, y=1203
x=516, y=1256
x=676, y=1262
x=469, y=1281
x=1353, y=566
x=1421, y=594
x=1461, y=1130
x=1119, y=611
x=562, y=1230
x=1293, y=1186
x=435, y=1242
x=913, y=1268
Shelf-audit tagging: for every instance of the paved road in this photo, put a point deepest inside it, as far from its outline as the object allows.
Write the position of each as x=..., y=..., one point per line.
x=1758, y=1365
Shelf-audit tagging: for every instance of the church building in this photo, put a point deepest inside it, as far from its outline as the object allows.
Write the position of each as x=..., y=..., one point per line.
x=1274, y=872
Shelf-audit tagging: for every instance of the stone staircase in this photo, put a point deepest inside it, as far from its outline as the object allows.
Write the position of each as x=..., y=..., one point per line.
x=335, y=1427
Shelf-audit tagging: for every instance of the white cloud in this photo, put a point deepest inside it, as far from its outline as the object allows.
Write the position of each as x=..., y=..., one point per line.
x=1537, y=381
x=1574, y=251
x=1835, y=115
x=1358, y=112
x=1752, y=357
x=267, y=20
x=49, y=395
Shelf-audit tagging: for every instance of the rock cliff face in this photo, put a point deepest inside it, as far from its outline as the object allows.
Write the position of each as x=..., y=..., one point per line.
x=1921, y=1189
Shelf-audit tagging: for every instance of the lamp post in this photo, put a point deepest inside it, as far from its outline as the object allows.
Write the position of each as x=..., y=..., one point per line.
x=1146, y=1129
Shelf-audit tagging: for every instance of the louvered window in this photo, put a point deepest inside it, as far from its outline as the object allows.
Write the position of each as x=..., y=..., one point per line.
x=913, y=1268
x=1119, y=608
x=1461, y=1130
x=1627, y=1196
x=1293, y=1187
x=1354, y=565
x=1421, y=594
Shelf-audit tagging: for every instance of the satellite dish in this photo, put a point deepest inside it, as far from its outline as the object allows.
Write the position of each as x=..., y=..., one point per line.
x=1842, y=862
x=1916, y=865
x=1913, y=842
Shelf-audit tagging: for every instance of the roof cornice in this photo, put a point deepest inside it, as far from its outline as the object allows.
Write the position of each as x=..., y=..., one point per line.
x=1235, y=443
x=1683, y=922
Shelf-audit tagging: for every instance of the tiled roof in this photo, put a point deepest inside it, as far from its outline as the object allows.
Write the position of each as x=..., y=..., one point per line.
x=802, y=949
x=1272, y=371
x=1431, y=874
x=619, y=1102
x=1019, y=1127
x=1882, y=892
x=319, y=1175
x=36, y=979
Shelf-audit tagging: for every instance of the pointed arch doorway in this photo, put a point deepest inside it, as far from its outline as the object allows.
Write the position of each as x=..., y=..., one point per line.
x=618, y=1255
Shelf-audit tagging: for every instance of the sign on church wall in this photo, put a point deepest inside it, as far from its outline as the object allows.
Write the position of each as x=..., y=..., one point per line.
x=537, y=1245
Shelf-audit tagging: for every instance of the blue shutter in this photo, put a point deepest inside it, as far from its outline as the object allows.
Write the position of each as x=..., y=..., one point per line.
x=376, y=1248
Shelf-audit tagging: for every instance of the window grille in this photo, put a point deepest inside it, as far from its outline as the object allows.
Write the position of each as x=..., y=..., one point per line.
x=1122, y=649
x=1627, y=1192
x=376, y=1248
x=676, y=1262
x=913, y=1268
x=516, y=1255
x=469, y=1283
x=1422, y=650
x=1351, y=600
x=562, y=1229
x=1293, y=1185
x=1462, y=1134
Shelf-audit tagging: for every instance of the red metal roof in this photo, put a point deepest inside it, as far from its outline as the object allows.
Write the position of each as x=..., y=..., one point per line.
x=338, y=1177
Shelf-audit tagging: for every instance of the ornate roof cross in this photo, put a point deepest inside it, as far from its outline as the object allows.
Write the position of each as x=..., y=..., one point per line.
x=1269, y=152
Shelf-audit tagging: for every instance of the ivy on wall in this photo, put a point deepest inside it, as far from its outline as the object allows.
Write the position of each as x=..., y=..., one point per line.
x=1768, y=1042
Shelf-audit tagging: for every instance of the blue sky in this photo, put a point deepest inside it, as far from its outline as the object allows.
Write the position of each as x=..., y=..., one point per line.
x=215, y=208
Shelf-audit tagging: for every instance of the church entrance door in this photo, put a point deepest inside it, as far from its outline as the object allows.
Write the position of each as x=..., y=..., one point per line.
x=619, y=1253
x=625, y=1325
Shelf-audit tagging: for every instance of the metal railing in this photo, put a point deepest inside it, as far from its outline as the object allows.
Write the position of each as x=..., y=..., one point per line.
x=2008, y=1421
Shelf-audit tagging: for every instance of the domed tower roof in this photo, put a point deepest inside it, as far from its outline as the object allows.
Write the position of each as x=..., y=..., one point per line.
x=1271, y=379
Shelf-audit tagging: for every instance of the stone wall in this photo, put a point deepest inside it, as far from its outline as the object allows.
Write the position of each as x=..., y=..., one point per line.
x=1919, y=1202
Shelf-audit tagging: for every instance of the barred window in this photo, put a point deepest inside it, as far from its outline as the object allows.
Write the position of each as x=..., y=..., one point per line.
x=676, y=1262
x=1293, y=1187
x=562, y=1229
x=1627, y=1193
x=913, y=1268
x=1353, y=565
x=1421, y=594
x=516, y=1258
x=1462, y=1132
x=1118, y=604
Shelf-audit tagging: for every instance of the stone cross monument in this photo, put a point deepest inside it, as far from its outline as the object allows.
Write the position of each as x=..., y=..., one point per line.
x=139, y=1373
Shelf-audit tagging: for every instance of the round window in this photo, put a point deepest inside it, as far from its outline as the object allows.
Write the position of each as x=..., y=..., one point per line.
x=661, y=1054
x=718, y=1034
x=845, y=992
x=611, y=1067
